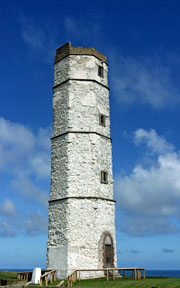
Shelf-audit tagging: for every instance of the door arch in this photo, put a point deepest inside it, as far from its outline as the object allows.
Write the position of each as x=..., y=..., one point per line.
x=108, y=251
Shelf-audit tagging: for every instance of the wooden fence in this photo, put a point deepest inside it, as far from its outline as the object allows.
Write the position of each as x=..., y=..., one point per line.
x=48, y=275
x=135, y=273
x=51, y=275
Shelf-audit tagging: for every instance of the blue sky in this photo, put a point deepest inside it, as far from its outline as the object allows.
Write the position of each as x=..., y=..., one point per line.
x=141, y=41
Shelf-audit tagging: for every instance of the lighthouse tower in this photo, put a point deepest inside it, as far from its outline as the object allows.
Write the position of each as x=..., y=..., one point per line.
x=81, y=206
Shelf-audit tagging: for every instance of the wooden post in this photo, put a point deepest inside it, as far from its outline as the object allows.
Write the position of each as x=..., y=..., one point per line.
x=46, y=280
x=135, y=275
x=52, y=277
x=107, y=275
x=124, y=273
x=68, y=281
x=71, y=280
x=113, y=274
x=40, y=281
x=139, y=274
x=144, y=274
x=79, y=275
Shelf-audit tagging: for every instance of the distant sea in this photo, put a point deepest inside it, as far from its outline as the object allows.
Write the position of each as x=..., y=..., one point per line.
x=163, y=273
x=152, y=273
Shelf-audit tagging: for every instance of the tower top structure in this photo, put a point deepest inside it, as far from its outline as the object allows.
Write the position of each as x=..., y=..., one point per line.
x=67, y=50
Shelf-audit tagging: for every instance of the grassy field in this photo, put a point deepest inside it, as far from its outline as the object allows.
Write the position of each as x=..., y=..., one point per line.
x=125, y=283
x=129, y=283
x=7, y=275
x=120, y=282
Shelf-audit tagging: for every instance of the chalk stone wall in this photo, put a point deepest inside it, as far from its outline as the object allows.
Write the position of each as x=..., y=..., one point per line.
x=81, y=209
x=76, y=103
x=75, y=236
x=77, y=161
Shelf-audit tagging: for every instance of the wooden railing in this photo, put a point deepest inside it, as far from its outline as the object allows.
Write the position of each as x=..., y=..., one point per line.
x=50, y=274
x=72, y=278
x=136, y=273
x=47, y=275
x=24, y=275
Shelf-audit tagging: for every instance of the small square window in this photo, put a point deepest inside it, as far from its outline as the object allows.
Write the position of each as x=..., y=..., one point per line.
x=102, y=119
x=104, y=177
x=100, y=71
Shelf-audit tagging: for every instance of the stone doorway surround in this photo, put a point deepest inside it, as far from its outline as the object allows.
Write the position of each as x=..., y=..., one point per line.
x=106, y=251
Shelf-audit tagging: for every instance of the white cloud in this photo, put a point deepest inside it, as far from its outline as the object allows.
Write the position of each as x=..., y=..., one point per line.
x=25, y=167
x=23, y=149
x=41, y=161
x=43, y=138
x=16, y=142
x=145, y=81
x=155, y=143
x=40, y=164
x=32, y=34
x=8, y=208
x=16, y=134
x=35, y=224
x=24, y=185
x=7, y=230
x=149, y=198
x=39, y=37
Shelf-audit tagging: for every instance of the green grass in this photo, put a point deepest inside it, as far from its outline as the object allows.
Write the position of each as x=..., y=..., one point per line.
x=8, y=275
x=49, y=283
x=118, y=283
x=129, y=283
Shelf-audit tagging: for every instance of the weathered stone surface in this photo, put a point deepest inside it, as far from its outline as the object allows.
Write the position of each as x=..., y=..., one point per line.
x=67, y=49
x=75, y=231
x=81, y=208
x=77, y=106
x=78, y=160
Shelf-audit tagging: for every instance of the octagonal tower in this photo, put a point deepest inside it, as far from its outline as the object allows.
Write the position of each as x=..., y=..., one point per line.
x=81, y=206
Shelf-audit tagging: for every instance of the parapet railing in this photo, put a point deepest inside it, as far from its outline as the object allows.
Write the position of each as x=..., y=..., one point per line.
x=136, y=273
x=50, y=274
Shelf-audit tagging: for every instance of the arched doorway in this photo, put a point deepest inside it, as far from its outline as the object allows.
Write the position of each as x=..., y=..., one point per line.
x=108, y=252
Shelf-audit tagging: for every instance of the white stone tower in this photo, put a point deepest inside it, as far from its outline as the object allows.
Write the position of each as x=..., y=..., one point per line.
x=81, y=206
